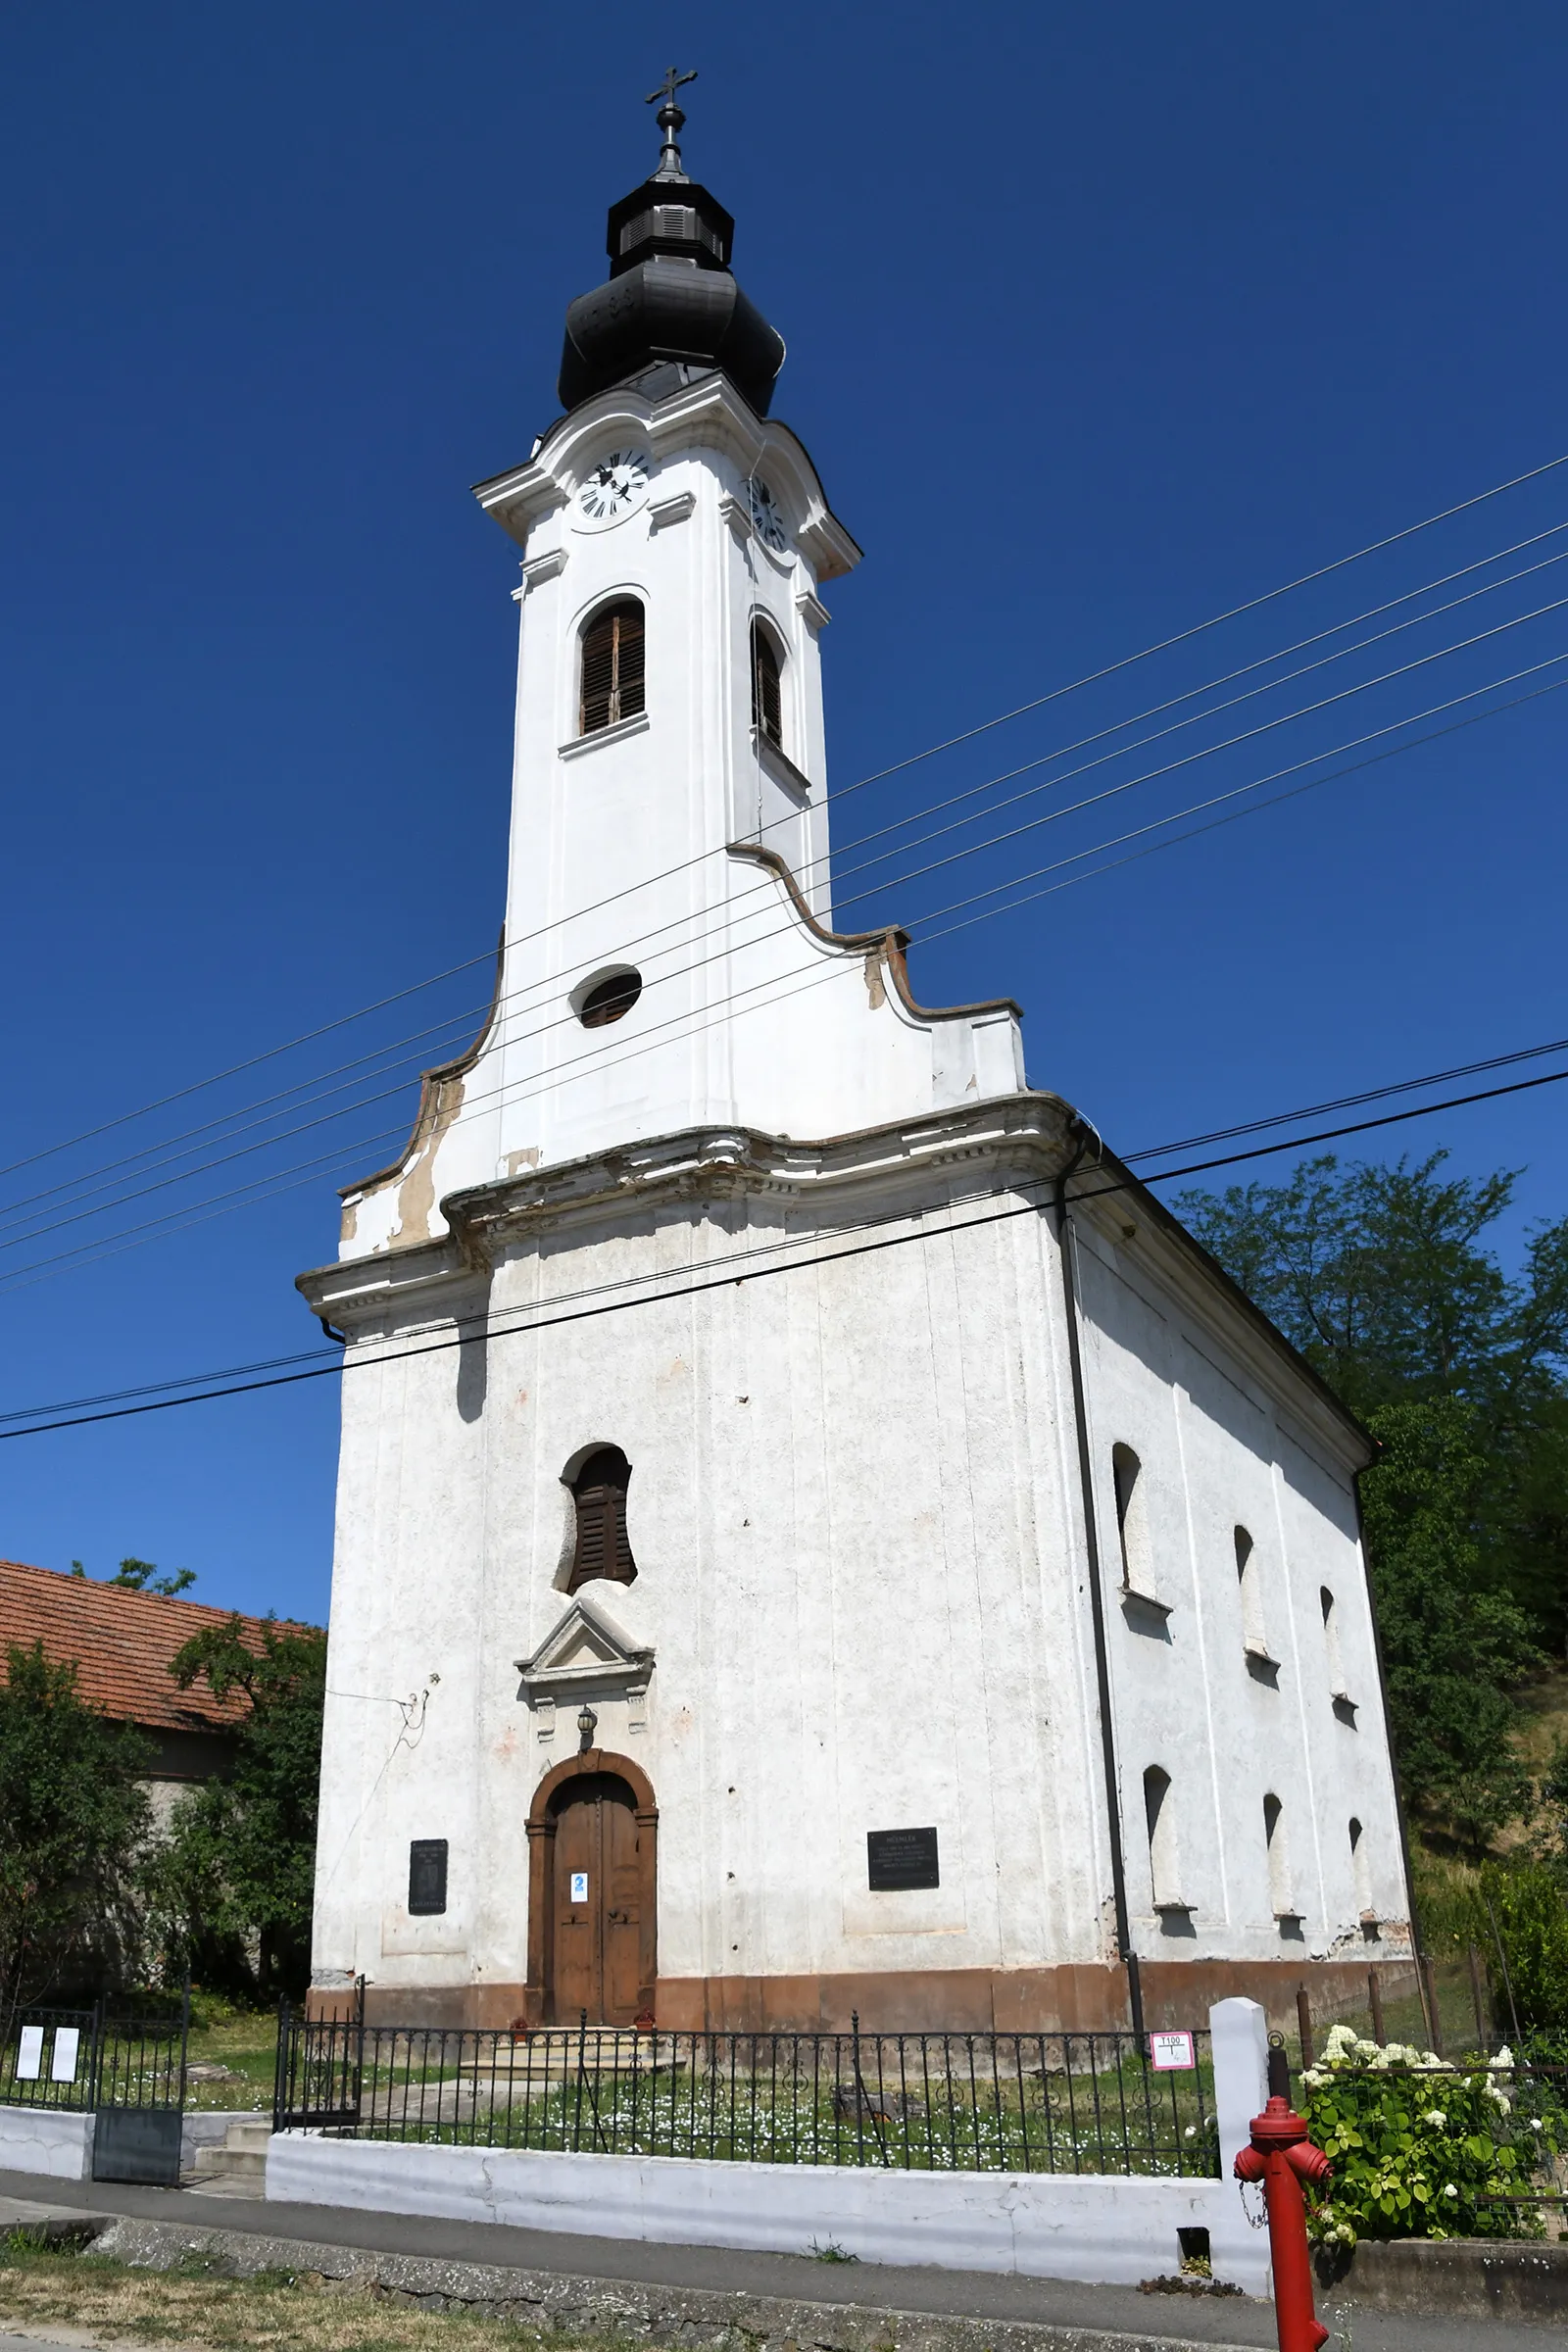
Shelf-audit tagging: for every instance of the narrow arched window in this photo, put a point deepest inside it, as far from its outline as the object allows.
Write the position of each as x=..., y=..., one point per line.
x=1361, y=1868
x=1249, y=1577
x=1279, y=1862
x=613, y=665
x=767, y=693
x=1132, y=1521
x=603, y=1547
x=1331, y=1642
x=1159, y=1819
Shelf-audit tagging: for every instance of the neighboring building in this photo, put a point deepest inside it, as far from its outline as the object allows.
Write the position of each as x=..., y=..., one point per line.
x=958, y=1584
x=121, y=1642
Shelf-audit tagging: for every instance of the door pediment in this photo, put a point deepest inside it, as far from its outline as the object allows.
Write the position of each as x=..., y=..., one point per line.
x=584, y=1651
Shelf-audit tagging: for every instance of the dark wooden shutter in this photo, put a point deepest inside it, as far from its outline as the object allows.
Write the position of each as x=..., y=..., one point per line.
x=603, y=1547
x=767, y=701
x=612, y=666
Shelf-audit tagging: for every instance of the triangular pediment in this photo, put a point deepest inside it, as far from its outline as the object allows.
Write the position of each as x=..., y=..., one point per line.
x=584, y=1646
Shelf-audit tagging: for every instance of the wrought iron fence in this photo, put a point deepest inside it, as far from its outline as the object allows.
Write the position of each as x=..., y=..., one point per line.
x=937, y=2103
x=49, y=2058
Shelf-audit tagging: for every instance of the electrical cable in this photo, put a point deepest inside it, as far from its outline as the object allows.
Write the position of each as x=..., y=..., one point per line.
x=170, y=1145
x=1279, y=1118
x=37, y=1230
x=726, y=1281
x=1094, y=677
x=563, y=1072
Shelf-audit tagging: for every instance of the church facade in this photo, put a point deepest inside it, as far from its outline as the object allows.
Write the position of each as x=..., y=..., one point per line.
x=836, y=1541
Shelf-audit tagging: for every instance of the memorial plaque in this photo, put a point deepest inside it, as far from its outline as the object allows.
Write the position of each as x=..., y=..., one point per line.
x=427, y=1877
x=902, y=1858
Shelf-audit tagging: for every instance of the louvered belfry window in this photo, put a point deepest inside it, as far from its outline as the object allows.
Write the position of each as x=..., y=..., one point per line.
x=613, y=665
x=767, y=699
x=603, y=1547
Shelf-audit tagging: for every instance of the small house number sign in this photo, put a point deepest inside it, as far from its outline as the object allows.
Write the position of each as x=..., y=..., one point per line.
x=579, y=1886
x=1171, y=2053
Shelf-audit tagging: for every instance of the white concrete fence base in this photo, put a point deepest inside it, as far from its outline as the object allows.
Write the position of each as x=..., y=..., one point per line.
x=1106, y=2230
x=49, y=2140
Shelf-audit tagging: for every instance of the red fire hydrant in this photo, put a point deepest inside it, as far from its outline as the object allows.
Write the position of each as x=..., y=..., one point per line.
x=1282, y=2157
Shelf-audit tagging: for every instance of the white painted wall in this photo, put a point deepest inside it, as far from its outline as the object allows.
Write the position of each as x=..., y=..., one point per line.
x=46, y=2141
x=1042, y=2226
x=855, y=1512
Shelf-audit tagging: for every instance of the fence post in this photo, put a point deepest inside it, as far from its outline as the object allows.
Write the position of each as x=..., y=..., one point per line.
x=1374, y=1992
x=1238, y=2044
x=1482, y=2038
x=1304, y=2021
x=1434, y=2013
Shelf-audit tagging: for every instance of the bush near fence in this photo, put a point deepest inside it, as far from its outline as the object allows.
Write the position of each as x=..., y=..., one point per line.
x=1424, y=2148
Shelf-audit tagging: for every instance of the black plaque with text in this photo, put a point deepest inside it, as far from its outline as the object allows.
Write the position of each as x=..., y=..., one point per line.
x=427, y=1875
x=902, y=1858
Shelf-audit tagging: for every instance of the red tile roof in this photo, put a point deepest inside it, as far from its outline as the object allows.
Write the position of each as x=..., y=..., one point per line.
x=120, y=1642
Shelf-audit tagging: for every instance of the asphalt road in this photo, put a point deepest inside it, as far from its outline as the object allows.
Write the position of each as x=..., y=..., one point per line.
x=1222, y=2321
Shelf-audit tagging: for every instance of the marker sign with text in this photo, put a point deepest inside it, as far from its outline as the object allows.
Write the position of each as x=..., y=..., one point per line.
x=1171, y=2053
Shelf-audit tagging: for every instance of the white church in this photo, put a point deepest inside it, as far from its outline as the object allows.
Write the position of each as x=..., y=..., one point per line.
x=837, y=1543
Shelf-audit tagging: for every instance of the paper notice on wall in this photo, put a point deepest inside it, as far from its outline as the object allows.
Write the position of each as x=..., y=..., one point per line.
x=579, y=1886
x=63, y=2065
x=1171, y=2053
x=30, y=2056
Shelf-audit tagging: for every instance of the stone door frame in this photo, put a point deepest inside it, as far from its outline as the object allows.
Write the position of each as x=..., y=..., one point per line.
x=539, y=1991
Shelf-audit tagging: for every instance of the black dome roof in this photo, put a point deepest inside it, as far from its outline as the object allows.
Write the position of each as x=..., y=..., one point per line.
x=671, y=294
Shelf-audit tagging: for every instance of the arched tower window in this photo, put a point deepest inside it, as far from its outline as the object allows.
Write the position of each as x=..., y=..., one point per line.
x=767, y=693
x=613, y=665
x=1249, y=1577
x=1331, y=1642
x=603, y=1547
x=1132, y=1521
x=1361, y=1867
x=1279, y=1860
x=1159, y=1818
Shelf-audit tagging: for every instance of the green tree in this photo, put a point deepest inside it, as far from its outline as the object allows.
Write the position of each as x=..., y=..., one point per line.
x=74, y=1816
x=236, y=1873
x=1382, y=1277
x=141, y=1576
x=1452, y=1646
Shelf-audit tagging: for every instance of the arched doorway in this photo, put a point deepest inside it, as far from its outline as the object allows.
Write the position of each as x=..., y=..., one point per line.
x=593, y=1884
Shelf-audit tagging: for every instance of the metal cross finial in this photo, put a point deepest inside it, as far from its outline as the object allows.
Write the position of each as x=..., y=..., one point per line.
x=670, y=119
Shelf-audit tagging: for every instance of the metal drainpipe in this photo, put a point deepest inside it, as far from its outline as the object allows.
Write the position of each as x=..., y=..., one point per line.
x=1108, y=1737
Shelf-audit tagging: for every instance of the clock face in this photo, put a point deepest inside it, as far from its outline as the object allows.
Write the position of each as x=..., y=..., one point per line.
x=614, y=485
x=769, y=522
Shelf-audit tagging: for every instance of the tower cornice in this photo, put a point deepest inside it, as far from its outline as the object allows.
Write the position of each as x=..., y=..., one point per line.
x=706, y=414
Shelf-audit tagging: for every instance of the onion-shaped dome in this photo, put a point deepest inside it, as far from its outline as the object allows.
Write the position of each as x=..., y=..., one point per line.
x=671, y=294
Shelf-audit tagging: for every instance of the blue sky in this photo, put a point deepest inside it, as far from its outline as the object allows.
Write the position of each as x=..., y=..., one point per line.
x=1100, y=320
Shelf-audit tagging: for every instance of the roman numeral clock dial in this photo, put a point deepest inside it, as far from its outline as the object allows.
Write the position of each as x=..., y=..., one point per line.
x=614, y=486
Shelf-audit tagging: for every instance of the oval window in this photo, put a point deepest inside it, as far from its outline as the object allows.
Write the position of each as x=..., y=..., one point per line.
x=609, y=999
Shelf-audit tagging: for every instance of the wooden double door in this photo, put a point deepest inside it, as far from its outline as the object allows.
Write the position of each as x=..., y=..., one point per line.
x=596, y=1901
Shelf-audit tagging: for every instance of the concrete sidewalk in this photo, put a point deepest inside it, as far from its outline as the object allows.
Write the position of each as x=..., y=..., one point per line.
x=674, y=2293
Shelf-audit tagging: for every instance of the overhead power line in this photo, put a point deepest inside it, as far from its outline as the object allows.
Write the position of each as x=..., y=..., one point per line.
x=1056, y=694
x=725, y=1279
x=771, y=992
x=75, y=1212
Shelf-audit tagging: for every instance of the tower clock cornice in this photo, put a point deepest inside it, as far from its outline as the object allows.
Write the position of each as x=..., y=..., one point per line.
x=708, y=415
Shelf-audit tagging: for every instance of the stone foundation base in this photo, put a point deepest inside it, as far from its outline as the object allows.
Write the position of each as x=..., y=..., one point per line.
x=1047, y=2000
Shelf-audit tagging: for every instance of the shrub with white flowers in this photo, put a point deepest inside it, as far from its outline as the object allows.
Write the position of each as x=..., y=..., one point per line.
x=1407, y=2164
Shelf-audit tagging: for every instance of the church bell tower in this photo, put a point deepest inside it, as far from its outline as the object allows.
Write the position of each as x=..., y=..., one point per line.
x=737, y=1415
